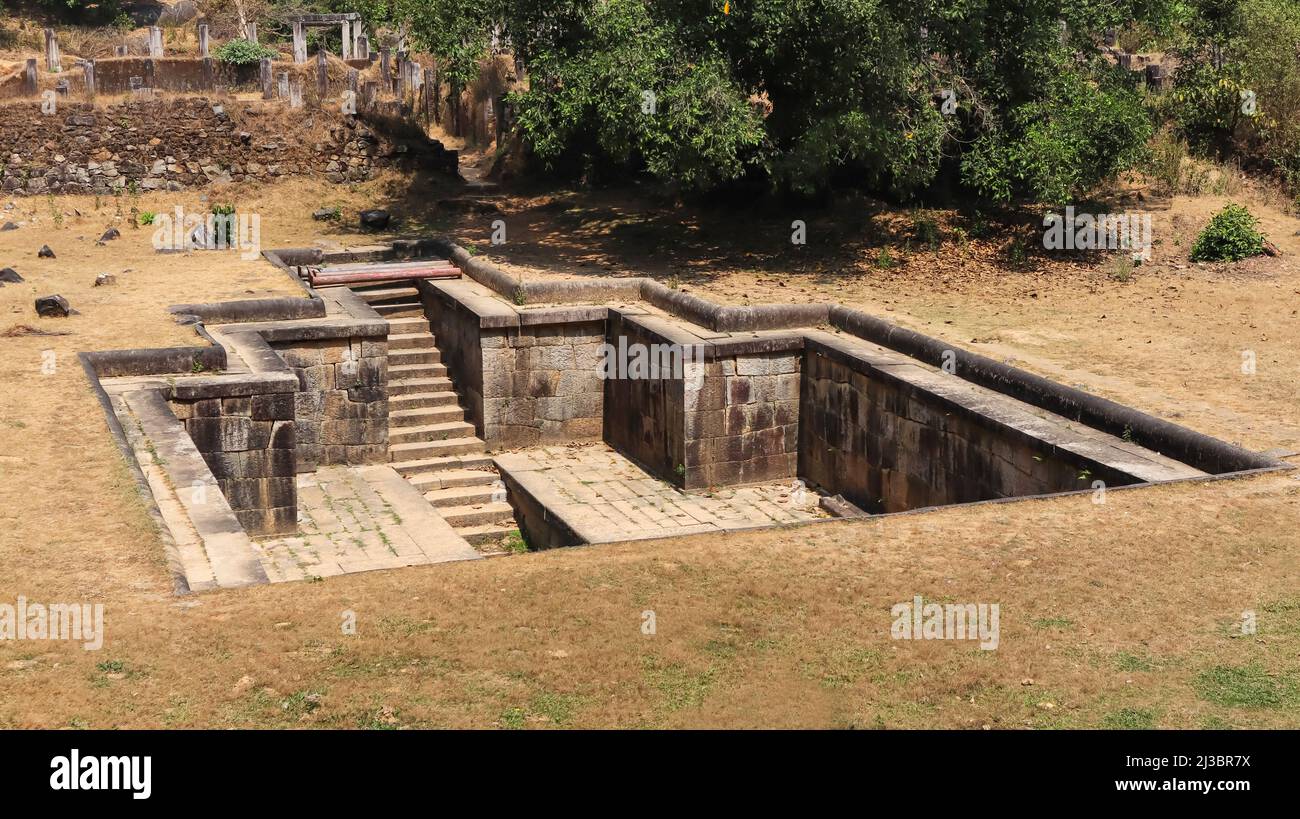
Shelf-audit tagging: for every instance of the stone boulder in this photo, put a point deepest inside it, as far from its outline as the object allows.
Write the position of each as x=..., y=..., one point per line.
x=9, y=276
x=374, y=219
x=45, y=252
x=53, y=307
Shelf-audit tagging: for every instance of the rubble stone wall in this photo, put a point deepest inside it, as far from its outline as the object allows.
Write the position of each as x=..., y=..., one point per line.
x=174, y=144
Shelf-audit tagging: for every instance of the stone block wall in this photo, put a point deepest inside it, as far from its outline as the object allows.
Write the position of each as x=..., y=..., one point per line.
x=542, y=384
x=890, y=446
x=644, y=418
x=341, y=405
x=248, y=443
x=742, y=420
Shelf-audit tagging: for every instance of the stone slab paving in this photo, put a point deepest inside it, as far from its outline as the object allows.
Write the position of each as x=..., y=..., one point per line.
x=357, y=519
x=604, y=497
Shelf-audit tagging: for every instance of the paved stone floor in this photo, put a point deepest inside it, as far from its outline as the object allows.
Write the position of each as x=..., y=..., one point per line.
x=604, y=497
x=355, y=519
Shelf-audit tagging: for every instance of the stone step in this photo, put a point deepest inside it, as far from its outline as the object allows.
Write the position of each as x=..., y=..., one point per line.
x=415, y=364
x=402, y=371
x=446, y=478
x=408, y=325
x=389, y=295
x=453, y=496
x=412, y=341
x=418, y=450
x=415, y=400
x=444, y=431
x=423, y=416
x=487, y=533
x=400, y=310
x=402, y=386
x=444, y=463
x=477, y=514
x=431, y=355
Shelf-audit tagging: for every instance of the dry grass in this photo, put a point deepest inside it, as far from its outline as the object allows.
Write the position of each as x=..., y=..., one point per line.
x=1122, y=614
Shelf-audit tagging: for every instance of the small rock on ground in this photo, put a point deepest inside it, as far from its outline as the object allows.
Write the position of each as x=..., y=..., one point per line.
x=54, y=306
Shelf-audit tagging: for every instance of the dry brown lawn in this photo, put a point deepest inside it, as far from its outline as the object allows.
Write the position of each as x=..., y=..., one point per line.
x=1117, y=615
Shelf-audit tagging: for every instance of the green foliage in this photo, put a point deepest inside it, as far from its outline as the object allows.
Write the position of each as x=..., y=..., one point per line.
x=147, y=217
x=1237, y=88
x=1054, y=149
x=622, y=94
x=1230, y=236
x=243, y=52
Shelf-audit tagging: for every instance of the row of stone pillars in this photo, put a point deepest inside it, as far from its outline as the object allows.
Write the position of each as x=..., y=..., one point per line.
x=356, y=46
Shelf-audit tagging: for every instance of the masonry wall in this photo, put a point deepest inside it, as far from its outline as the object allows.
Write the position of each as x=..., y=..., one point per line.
x=542, y=384
x=341, y=405
x=456, y=330
x=888, y=446
x=645, y=419
x=742, y=420
x=248, y=443
x=174, y=144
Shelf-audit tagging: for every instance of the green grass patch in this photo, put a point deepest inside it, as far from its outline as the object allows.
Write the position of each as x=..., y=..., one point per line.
x=1129, y=719
x=1248, y=686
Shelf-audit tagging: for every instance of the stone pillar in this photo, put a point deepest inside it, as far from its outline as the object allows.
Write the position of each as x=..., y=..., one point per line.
x=427, y=95
x=155, y=42
x=354, y=79
x=385, y=65
x=268, y=81
x=401, y=77
x=322, y=76
x=369, y=91
x=345, y=32
x=356, y=40
x=149, y=72
x=250, y=32
x=209, y=74
x=435, y=93
x=203, y=40
x=89, y=67
x=363, y=48
x=282, y=81
x=51, y=52
x=295, y=93
x=299, y=42
x=30, y=85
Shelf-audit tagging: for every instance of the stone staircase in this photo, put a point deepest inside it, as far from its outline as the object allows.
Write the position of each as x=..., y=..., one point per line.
x=429, y=440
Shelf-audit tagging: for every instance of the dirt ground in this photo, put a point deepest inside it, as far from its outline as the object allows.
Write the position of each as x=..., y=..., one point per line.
x=1125, y=614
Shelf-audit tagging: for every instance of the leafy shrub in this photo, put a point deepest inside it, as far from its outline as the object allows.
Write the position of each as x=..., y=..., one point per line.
x=147, y=217
x=1230, y=236
x=223, y=226
x=243, y=52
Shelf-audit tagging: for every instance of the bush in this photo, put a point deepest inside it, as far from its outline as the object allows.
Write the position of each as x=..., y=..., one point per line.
x=243, y=52
x=1230, y=236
